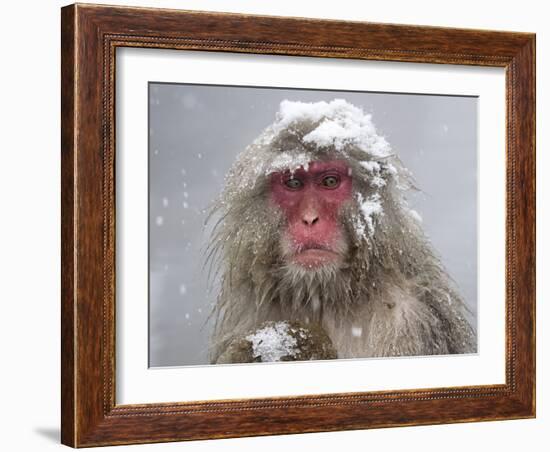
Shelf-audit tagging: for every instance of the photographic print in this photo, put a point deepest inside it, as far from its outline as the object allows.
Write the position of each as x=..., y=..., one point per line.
x=293, y=225
x=270, y=227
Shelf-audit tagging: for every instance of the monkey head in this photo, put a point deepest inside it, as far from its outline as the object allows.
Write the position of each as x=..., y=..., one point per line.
x=316, y=199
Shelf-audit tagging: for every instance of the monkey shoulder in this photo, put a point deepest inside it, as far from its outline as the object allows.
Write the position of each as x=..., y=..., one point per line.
x=404, y=323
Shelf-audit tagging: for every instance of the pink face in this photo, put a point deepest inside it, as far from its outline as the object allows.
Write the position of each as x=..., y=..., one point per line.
x=311, y=201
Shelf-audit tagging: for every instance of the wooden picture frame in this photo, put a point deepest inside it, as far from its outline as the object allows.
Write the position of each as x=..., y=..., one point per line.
x=90, y=36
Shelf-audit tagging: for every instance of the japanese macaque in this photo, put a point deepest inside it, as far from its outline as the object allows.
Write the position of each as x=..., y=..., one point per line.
x=318, y=254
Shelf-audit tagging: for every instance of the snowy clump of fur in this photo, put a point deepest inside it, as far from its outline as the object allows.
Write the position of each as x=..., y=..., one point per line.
x=391, y=287
x=273, y=342
x=337, y=125
x=369, y=208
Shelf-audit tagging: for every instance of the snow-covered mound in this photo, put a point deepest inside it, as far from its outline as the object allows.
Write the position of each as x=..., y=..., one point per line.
x=280, y=341
x=273, y=342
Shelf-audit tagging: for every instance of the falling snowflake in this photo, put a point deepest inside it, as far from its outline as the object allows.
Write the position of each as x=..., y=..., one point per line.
x=356, y=331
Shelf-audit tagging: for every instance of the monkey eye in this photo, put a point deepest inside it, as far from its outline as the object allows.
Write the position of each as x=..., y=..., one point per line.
x=330, y=181
x=294, y=184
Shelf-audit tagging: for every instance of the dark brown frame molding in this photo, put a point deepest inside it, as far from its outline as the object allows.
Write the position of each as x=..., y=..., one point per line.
x=90, y=35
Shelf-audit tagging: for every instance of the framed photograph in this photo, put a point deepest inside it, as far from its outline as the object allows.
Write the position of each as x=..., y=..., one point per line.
x=281, y=225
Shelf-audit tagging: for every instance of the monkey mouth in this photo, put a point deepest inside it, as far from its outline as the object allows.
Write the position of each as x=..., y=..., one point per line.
x=314, y=255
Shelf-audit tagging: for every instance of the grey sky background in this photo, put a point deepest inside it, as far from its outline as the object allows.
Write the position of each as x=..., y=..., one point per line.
x=196, y=131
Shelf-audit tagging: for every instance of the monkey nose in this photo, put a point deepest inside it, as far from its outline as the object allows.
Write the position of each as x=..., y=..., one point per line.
x=310, y=218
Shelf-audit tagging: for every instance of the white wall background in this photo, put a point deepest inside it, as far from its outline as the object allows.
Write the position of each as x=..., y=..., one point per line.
x=29, y=227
